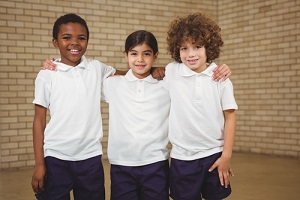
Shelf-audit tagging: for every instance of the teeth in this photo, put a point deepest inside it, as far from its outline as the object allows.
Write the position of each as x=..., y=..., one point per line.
x=73, y=50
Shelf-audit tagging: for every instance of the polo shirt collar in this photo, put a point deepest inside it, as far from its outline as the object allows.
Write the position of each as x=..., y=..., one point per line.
x=131, y=78
x=185, y=71
x=63, y=67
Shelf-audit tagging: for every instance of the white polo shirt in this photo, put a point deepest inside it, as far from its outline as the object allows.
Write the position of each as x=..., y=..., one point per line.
x=138, y=120
x=196, y=113
x=72, y=94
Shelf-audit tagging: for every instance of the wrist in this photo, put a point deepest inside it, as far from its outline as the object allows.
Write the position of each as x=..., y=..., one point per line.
x=226, y=155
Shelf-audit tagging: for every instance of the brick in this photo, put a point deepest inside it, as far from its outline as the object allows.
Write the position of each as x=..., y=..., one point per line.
x=261, y=48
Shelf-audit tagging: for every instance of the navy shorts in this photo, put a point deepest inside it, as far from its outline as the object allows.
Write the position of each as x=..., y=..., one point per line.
x=148, y=182
x=85, y=178
x=192, y=180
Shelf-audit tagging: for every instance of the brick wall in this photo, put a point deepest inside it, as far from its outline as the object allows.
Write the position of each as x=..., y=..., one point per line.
x=26, y=28
x=260, y=47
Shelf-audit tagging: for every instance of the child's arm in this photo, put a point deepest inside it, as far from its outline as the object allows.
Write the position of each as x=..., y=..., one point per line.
x=158, y=73
x=48, y=64
x=39, y=124
x=223, y=163
x=221, y=72
x=120, y=72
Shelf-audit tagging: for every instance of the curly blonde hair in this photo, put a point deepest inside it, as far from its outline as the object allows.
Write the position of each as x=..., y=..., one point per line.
x=198, y=28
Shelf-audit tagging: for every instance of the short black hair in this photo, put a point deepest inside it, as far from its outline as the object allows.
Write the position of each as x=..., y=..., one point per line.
x=71, y=17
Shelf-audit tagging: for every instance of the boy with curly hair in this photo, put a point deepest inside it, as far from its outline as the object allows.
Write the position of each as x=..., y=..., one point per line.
x=202, y=115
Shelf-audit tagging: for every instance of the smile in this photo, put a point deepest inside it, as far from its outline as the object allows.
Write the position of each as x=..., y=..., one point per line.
x=194, y=61
x=140, y=66
x=74, y=51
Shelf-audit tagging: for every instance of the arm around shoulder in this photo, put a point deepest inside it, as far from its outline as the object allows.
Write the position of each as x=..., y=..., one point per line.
x=221, y=72
x=120, y=72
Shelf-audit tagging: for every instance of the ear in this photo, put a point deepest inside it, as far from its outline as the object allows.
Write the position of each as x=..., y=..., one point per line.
x=54, y=42
x=155, y=56
x=126, y=56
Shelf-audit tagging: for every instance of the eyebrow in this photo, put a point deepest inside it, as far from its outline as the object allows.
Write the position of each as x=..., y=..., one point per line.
x=69, y=34
x=150, y=51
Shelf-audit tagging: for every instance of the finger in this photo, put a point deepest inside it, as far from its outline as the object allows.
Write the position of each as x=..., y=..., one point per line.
x=48, y=64
x=231, y=172
x=221, y=178
x=155, y=75
x=226, y=179
x=41, y=185
x=219, y=67
x=158, y=74
x=222, y=70
x=222, y=74
x=34, y=186
x=227, y=75
x=162, y=73
x=212, y=167
x=218, y=74
x=50, y=61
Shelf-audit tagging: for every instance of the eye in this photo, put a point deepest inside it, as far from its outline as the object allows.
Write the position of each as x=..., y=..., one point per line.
x=147, y=54
x=198, y=47
x=66, y=37
x=133, y=53
x=183, y=49
x=82, y=38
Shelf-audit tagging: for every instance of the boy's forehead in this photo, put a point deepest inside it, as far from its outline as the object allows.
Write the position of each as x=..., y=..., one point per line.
x=189, y=40
x=71, y=26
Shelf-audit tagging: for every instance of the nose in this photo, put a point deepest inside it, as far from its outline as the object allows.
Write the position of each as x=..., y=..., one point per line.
x=74, y=41
x=140, y=58
x=191, y=53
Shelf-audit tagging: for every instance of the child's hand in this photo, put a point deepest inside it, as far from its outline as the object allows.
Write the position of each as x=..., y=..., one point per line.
x=158, y=72
x=222, y=71
x=224, y=170
x=38, y=179
x=48, y=64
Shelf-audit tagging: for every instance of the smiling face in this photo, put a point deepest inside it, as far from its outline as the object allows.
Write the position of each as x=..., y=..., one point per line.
x=193, y=56
x=140, y=59
x=72, y=42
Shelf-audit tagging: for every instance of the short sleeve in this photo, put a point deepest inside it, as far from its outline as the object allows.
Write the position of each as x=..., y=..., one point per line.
x=42, y=89
x=105, y=90
x=227, y=96
x=107, y=71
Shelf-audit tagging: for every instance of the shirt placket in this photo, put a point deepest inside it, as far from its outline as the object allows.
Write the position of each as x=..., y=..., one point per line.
x=140, y=89
x=79, y=80
x=198, y=87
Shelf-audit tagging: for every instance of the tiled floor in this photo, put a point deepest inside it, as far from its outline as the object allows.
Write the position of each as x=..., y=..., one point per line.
x=256, y=178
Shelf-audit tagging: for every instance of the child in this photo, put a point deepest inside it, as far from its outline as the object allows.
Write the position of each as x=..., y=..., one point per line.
x=68, y=150
x=202, y=113
x=138, y=125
